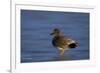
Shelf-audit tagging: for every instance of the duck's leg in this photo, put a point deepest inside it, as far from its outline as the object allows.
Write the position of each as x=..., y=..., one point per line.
x=62, y=52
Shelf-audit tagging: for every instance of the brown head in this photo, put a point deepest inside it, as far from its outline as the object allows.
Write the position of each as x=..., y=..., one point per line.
x=56, y=31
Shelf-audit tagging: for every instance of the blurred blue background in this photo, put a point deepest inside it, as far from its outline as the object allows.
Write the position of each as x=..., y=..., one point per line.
x=36, y=27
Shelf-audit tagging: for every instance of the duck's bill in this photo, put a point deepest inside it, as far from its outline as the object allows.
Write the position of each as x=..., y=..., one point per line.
x=51, y=33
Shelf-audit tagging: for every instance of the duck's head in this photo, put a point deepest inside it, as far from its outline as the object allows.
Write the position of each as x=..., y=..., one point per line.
x=55, y=31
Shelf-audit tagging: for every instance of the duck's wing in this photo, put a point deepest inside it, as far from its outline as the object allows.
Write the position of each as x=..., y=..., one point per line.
x=61, y=41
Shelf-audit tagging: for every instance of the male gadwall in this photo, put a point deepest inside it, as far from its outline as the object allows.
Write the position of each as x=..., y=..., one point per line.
x=62, y=42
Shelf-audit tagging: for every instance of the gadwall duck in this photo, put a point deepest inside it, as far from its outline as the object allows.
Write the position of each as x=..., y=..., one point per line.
x=62, y=42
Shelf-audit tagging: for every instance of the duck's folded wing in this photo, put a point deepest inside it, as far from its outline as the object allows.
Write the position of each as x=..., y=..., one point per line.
x=61, y=41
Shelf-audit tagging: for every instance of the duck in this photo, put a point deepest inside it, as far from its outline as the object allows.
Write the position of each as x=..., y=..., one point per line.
x=62, y=42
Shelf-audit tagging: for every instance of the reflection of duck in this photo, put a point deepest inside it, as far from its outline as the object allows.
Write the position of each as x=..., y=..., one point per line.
x=62, y=42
